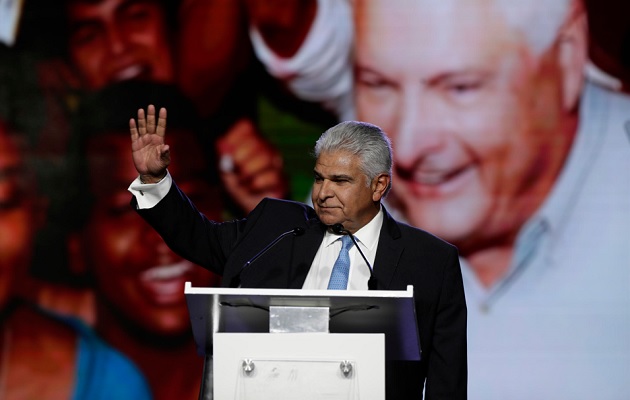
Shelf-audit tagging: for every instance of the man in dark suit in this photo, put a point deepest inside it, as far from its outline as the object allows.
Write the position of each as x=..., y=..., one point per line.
x=352, y=174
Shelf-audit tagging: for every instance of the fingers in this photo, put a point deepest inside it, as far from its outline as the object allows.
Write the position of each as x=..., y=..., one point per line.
x=237, y=144
x=142, y=122
x=254, y=174
x=250, y=167
x=149, y=123
x=248, y=194
x=165, y=154
x=161, y=123
x=270, y=183
x=242, y=131
x=244, y=151
x=250, y=159
x=151, y=119
x=133, y=130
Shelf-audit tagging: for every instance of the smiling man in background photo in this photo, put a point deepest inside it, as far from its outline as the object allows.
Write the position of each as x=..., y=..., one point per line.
x=505, y=147
x=502, y=148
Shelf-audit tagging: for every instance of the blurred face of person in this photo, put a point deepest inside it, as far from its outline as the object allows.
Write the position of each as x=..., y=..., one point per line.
x=16, y=217
x=478, y=122
x=117, y=40
x=341, y=193
x=135, y=272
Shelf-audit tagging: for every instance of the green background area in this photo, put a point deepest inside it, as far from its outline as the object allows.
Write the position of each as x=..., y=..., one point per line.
x=295, y=138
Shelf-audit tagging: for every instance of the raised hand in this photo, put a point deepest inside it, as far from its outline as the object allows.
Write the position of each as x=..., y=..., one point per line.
x=250, y=167
x=151, y=156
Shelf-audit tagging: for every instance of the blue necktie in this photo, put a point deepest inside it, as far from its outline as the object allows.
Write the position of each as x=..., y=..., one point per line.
x=341, y=269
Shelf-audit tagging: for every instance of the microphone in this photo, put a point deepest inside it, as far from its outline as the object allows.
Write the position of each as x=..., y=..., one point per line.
x=236, y=281
x=340, y=230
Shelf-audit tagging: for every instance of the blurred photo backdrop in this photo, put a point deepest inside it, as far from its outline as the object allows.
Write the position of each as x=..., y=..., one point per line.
x=510, y=125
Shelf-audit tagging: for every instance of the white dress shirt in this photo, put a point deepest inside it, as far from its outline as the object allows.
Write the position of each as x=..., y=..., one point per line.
x=321, y=269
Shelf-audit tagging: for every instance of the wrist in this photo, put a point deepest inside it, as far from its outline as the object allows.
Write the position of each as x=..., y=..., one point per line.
x=151, y=178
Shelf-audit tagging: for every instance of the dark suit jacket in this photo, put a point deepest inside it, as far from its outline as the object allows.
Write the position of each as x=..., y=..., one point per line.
x=405, y=256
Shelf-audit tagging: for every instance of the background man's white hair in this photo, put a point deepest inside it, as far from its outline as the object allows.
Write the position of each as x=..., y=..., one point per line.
x=539, y=20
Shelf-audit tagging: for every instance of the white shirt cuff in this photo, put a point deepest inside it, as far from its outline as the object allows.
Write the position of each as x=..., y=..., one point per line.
x=149, y=194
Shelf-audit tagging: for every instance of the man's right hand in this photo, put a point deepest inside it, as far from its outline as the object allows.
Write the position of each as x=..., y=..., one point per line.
x=151, y=156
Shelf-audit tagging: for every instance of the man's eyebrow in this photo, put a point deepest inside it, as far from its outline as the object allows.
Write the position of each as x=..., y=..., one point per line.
x=341, y=176
x=463, y=73
x=371, y=70
x=364, y=67
x=334, y=177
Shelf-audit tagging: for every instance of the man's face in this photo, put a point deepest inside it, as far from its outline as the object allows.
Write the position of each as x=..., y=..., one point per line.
x=476, y=120
x=117, y=40
x=341, y=193
x=135, y=272
x=16, y=217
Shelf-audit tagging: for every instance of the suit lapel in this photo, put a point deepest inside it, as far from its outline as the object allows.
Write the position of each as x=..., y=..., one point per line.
x=388, y=253
x=306, y=247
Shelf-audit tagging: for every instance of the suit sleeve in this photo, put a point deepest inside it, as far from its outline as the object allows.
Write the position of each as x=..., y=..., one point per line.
x=447, y=373
x=189, y=233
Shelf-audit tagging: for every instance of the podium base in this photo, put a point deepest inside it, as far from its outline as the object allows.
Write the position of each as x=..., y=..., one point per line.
x=298, y=365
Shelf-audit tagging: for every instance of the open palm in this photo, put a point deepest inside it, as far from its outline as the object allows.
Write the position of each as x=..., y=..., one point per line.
x=150, y=154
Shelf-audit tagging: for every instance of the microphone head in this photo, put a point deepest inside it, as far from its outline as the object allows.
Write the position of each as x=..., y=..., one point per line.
x=339, y=229
x=298, y=231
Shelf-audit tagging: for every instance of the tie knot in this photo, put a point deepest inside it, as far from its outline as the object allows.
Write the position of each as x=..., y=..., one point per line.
x=346, y=242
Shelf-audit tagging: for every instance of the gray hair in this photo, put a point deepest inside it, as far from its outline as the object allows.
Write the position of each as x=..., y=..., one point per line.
x=539, y=20
x=363, y=139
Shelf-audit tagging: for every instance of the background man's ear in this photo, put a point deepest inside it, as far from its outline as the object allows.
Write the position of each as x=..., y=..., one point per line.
x=573, y=53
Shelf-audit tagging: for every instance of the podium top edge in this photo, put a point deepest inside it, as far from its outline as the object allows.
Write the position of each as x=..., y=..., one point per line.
x=190, y=289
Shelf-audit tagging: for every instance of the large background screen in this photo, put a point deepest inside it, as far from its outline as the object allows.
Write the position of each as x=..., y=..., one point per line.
x=510, y=126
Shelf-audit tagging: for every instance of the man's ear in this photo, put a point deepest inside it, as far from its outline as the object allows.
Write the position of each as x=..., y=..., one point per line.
x=573, y=53
x=380, y=184
x=76, y=261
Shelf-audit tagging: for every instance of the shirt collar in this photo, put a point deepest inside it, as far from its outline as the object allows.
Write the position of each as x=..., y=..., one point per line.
x=368, y=235
x=588, y=140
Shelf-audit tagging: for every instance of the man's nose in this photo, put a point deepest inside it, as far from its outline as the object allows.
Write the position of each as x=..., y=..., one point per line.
x=116, y=40
x=324, y=190
x=419, y=129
